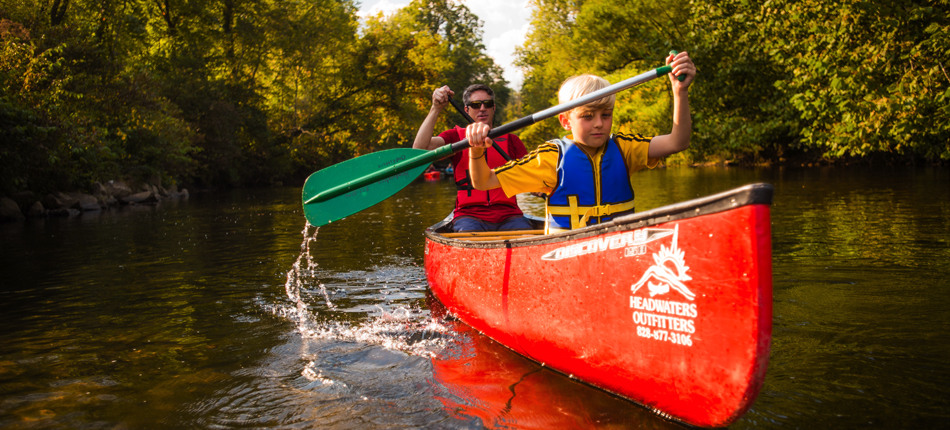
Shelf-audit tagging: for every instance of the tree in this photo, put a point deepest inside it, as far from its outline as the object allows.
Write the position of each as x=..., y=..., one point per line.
x=611, y=38
x=459, y=58
x=226, y=93
x=866, y=77
x=777, y=79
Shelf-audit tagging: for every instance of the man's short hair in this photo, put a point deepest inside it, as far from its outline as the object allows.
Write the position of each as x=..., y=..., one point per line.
x=467, y=95
x=581, y=85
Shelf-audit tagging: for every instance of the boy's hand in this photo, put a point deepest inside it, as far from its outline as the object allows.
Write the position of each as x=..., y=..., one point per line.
x=681, y=64
x=440, y=97
x=477, y=134
x=483, y=178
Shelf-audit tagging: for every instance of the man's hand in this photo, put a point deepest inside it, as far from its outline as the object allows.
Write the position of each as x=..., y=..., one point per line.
x=440, y=97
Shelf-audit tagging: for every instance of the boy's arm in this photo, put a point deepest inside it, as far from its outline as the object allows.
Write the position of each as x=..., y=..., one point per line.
x=678, y=139
x=424, y=137
x=483, y=177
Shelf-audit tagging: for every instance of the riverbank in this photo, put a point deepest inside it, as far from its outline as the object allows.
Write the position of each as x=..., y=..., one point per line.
x=110, y=194
x=806, y=159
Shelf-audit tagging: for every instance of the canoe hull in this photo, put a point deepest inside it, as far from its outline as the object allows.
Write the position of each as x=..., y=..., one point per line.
x=673, y=312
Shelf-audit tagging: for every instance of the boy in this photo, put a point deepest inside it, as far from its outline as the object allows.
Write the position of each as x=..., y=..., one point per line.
x=586, y=175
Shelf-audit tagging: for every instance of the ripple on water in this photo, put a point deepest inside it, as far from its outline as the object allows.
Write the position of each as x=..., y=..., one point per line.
x=356, y=338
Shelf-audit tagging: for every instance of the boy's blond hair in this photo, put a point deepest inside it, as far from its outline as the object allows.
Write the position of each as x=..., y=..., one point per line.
x=580, y=85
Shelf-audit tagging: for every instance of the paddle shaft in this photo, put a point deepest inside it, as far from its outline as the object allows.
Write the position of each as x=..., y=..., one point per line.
x=400, y=166
x=461, y=110
x=564, y=107
x=470, y=120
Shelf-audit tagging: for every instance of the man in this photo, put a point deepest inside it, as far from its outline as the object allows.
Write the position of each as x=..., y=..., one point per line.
x=475, y=210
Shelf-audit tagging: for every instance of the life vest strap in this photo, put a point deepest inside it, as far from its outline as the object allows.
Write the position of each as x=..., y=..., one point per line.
x=579, y=215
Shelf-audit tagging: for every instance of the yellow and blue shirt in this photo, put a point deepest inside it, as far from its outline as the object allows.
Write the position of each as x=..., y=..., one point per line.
x=583, y=185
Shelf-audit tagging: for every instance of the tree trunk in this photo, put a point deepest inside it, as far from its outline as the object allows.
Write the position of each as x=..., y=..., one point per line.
x=58, y=12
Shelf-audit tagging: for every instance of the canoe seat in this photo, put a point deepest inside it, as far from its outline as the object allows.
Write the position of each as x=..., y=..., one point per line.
x=479, y=236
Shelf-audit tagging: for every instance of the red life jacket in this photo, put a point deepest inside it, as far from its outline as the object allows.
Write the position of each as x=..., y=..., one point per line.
x=469, y=196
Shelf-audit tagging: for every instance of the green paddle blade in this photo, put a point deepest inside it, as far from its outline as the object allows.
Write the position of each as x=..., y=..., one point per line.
x=326, y=211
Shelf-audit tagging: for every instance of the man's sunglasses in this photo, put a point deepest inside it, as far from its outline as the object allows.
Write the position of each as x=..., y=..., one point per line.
x=478, y=104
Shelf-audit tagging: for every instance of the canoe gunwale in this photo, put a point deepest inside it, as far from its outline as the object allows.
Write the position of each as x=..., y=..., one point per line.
x=760, y=193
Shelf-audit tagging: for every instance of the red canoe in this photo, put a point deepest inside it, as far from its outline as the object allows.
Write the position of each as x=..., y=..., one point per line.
x=670, y=308
x=434, y=175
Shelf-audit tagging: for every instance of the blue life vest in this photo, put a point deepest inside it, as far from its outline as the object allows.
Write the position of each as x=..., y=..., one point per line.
x=588, y=194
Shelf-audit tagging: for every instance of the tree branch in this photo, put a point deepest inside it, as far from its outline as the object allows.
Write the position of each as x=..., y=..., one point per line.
x=58, y=12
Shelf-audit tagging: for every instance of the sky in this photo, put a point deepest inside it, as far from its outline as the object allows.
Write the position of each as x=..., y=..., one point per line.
x=505, y=26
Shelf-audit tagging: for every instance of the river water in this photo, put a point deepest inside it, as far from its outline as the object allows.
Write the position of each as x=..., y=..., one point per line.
x=225, y=311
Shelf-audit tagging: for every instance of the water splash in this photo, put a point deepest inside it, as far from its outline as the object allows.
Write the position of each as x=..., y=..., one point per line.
x=313, y=374
x=406, y=329
x=297, y=273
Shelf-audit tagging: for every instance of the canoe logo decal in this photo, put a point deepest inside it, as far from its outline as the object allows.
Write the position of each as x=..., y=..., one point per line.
x=659, y=318
x=669, y=272
x=634, y=243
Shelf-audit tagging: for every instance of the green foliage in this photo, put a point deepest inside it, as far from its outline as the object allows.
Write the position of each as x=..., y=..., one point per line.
x=615, y=39
x=245, y=92
x=866, y=77
x=738, y=111
x=74, y=119
x=546, y=59
x=548, y=55
x=26, y=155
x=779, y=78
x=845, y=78
x=229, y=93
x=449, y=42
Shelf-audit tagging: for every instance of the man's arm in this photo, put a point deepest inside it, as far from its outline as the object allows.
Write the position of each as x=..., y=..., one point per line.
x=424, y=137
x=678, y=139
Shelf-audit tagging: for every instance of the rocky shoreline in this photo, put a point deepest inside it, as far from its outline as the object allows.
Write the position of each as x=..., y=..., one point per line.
x=25, y=204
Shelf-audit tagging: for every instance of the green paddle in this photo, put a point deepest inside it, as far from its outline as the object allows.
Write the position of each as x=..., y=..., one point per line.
x=356, y=184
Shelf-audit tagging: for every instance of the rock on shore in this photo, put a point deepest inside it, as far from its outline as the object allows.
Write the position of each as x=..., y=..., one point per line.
x=104, y=195
x=9, y=210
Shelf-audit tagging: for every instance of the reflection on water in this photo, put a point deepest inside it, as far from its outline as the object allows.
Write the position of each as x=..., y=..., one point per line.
x=479, y=380
x=225, y=311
